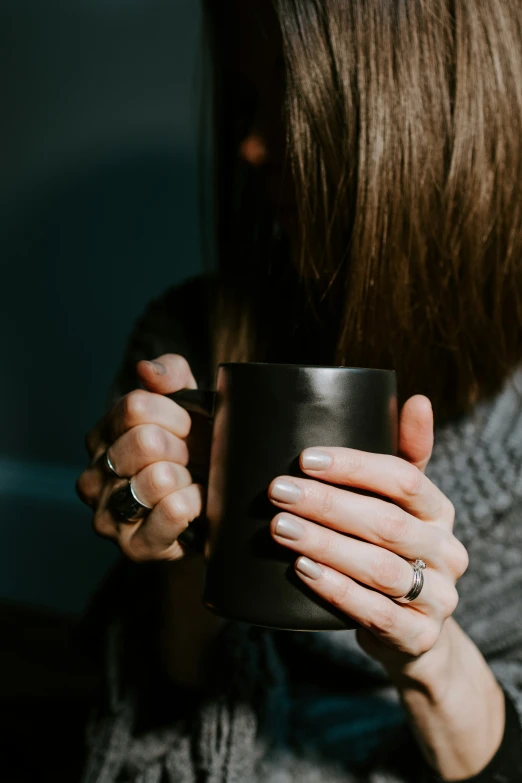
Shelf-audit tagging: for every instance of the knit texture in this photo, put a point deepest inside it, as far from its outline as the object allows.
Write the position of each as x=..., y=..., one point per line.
x=261, y=724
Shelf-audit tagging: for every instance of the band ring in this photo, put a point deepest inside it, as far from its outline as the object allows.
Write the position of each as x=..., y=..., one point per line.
x=126, y=506
x=109, y=467
x=417, y=583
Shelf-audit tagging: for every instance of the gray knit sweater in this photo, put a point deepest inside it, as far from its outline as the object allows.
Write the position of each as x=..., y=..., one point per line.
x=268, y=720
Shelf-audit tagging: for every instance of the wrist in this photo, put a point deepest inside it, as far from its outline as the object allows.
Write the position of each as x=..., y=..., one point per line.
x=452, y=667
x=454, y=704
x=433, y=673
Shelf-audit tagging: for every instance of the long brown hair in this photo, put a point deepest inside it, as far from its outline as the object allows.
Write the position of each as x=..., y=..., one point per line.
x=404, y=133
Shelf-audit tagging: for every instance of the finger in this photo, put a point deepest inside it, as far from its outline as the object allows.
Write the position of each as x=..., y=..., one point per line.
x=143, y=445
x=396, y=625
x=416, y=431
x=371, y=519
x=389, y=476
x=371, y=565
x=145, y=407
x=91, y=481
x=156, y=537
x=166, y=374
x=155, y=481
x=89, y=485
x=151, y=483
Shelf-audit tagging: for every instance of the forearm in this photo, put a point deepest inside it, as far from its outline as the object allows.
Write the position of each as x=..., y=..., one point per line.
x=455, y=706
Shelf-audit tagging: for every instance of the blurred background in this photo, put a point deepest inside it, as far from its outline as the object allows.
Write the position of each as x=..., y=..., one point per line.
x=98, y=214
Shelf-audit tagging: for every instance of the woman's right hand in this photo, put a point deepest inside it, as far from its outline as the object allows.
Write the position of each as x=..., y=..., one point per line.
x=145, y=434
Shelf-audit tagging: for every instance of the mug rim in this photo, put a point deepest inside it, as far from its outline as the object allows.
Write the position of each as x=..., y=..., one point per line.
x=307, y=366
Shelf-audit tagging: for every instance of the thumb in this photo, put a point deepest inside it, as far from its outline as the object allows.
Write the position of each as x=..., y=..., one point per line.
x=416, y=431
x=166, y=374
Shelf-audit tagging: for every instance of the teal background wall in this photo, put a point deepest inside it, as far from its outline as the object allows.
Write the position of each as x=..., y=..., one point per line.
x=98, y=214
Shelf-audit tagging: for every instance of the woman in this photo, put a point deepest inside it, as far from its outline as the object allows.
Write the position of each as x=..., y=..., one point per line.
x=371, y=218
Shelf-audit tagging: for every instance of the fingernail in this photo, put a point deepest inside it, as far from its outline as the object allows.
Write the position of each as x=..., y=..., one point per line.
x=314, y=459
x=285, y=491
x=309, y=568
x=158, y=367
x=289, y=528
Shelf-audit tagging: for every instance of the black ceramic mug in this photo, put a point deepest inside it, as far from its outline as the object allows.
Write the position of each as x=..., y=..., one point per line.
x=264, y=415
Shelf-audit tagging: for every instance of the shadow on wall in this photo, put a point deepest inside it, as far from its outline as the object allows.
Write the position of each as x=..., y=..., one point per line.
x=81, y=264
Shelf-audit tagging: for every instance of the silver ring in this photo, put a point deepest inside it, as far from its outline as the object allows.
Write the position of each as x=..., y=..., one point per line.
x=109, y=466
x=126, y=506
x=417, y=584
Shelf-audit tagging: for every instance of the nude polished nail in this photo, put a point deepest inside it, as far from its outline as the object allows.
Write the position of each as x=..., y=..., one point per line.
x=289, y=528
x=314, y=459
x=309, y=568
x=285, y=491
x=158, y=367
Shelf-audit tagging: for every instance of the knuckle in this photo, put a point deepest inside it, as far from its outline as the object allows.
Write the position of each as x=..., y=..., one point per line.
x=463, y=560
x=384, y=617
x=176, y=507
x=84, y=489
x=392, y=526
x=184, y=422
x=454, y=555
x=162, y=477
x=387, y=570
x=135, y=405
x=449, y=601
x=410, y=479
x=424, y=640
x=150, y=441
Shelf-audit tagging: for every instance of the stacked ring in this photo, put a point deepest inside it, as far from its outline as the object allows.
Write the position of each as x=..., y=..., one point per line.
x=417, y=584
x=126, y=506
x=109, y=467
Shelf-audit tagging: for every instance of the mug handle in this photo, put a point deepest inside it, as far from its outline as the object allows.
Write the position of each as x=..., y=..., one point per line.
x=195, y=400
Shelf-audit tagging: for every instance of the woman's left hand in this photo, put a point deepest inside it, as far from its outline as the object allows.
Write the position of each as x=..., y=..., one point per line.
x=359, y=557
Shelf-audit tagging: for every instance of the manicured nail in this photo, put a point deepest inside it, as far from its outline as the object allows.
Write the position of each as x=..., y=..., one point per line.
x=158, y=367
x=285, y=491
x=289, y=528
x=309, y=568
x=314, y=459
